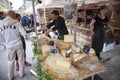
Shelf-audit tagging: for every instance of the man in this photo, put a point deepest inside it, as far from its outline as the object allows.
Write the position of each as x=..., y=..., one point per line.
x=10, y=29
x=58, y=23
x=18, y=17
x=25, y=21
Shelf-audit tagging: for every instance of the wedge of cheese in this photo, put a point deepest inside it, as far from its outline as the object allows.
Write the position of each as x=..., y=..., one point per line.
x=79, y=56
x=68, y=38
x=63, y=53
x=92, y=52
x=64, y=64
x=76, y=48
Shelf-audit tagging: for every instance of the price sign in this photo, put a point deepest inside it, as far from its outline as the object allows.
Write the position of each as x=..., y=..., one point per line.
x=86, y=49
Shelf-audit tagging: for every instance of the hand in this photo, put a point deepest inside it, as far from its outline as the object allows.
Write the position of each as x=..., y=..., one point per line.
x=39, y=30
x=44, y=28
x=47, y=33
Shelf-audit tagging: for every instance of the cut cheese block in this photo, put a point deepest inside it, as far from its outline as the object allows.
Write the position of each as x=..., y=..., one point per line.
x=92, y=52
x=68, y=38
x=75, y=55
x=79, y=56
x=94, y=58
x=76, y=48
x=63, y=53
x=66, y=45
x=63, y=64
x=45, y=50
x=68, y=52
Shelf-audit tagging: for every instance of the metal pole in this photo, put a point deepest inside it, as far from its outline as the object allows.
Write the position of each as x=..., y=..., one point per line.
x=33, y=6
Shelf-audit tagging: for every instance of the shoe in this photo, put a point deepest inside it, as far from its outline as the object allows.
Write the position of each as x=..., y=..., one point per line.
x=27, y=64
x=17, y=67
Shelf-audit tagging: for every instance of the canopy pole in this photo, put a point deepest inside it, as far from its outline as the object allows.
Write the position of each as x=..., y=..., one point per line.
x=35, y=26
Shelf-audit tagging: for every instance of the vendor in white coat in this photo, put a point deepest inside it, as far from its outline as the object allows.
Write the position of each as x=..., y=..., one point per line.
x=10, y=29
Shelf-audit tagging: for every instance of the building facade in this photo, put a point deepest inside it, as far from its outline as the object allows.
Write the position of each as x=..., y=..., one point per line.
x=5, y=4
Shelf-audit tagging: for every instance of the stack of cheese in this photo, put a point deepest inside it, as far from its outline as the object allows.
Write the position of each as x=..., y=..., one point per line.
x=66, y=53
x=60, y=68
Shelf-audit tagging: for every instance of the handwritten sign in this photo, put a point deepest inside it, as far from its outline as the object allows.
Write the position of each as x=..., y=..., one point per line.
x=86, y=49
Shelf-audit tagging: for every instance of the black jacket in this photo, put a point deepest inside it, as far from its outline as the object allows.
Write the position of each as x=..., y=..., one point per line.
x=59, y=24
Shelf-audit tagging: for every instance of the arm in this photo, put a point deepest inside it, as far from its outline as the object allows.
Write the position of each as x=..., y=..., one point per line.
x=21, y=30
x=46, y=27
x=92, y=26
x=50, y=25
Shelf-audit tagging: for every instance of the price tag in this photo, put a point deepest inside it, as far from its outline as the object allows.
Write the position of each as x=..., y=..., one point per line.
x=53, y=51
x=86, y=49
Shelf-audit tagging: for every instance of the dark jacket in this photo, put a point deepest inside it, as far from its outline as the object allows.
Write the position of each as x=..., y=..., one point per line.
x=59, y=24
x=24, y=21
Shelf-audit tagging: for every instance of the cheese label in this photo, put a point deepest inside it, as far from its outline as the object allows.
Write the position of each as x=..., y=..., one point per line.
x=86, y=49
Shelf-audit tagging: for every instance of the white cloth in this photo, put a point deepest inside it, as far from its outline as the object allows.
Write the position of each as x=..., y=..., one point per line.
x=11, y=29
x=11, y=54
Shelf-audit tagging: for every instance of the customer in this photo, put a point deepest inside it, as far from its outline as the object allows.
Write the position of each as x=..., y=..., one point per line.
x=25, y=21
x=98, y=25
x=58, y=23
x=10, y=29
x=24, y=47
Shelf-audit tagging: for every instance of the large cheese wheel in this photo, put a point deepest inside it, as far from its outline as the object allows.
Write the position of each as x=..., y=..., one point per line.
x=59, y=71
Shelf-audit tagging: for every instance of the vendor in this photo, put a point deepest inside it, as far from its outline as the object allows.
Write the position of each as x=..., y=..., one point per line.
x=58, y=24
x=98, y=25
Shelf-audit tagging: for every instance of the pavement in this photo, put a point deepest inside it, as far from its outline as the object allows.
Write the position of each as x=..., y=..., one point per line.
x=111, y=60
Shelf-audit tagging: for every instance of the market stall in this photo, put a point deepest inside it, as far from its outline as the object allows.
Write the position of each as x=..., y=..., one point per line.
x=64, y=60
x=71, y=58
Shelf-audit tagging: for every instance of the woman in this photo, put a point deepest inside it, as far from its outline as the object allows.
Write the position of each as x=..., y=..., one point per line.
x=24, y=46
x=98, y=25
